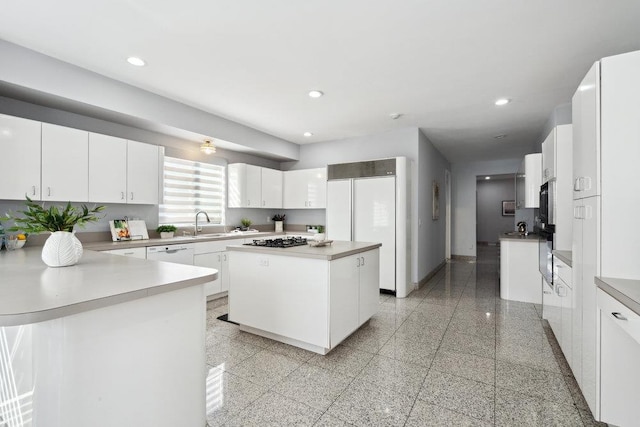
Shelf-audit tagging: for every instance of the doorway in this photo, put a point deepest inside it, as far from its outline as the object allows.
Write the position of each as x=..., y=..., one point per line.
x=494, y=213
x=447, y=198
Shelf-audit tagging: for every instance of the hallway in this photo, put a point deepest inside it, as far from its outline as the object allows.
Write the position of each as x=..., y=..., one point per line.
x=452, y=353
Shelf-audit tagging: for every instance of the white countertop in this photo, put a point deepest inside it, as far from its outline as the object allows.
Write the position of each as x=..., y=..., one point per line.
x=624, y=290
x=564, y=256
x=32, y=292
x=338, y=249
x=533, y=238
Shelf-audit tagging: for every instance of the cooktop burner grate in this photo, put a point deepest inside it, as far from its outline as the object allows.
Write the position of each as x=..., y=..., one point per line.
x=289, y=242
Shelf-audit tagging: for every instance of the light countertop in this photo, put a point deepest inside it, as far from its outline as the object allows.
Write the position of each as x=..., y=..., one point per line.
x=514, y=235
x=624, y=290
x=564, y=256
x=338, y=249
x=31, y=292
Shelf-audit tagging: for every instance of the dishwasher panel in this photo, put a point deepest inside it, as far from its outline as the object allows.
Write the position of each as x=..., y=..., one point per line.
x=178, y=254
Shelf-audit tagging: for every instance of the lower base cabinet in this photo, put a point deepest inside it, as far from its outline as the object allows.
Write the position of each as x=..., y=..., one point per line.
x=219, y=261
x=619, y=362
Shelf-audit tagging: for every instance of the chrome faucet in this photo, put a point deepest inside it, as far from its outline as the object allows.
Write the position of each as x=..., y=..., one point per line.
x=208, y=220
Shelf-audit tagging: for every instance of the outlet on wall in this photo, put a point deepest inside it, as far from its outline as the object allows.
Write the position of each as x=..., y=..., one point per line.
x=264, y=262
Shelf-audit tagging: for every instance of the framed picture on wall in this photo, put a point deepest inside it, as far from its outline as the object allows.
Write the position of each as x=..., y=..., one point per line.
x=508, y=208
x=436, y=201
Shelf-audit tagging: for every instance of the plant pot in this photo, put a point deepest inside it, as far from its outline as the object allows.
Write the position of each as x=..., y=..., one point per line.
x=318, y=237
x=279, y=226
x=166, y=234
x=61, y=249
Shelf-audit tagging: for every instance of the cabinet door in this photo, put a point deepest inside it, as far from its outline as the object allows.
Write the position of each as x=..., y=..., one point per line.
x=343, y=298
x=520, y=186
x=20, y=147
x=271, y=180
x=107, y=169
x=576, y=283
x=236, y=185
x=142, y=173
x=254, y=186
x=586, y=135
x=316, y=188
x=533, y=180
x=548, y=157
x=566, y=296
x=555, y=314
x=210, y=260
x=224, y=271
x=65, y=163
x=339, y=210
x=369, y=298
x=295, y=189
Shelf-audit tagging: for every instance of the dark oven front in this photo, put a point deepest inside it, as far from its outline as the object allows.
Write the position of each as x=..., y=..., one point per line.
x=546, y=256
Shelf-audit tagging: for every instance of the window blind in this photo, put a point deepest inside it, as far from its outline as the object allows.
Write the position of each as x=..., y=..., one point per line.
x=190, y=187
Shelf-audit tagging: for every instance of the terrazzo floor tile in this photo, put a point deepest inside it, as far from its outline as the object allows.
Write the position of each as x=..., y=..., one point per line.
x=561, y=416
x=227, y=395
x=472, y=327
x=465, y=365
x=313, y=386
x=265, y=368
x=534, y=382
x=410, y=350
x=368, y=340
x=482, y=346
x=365, y=404
x=394, y=374
x=256, y=340
x=540, y=357
x=225, y=351
x=458, y=394
x=516, y=409
x=328, y=420
x=220, y=326
x=293, y=352
x=345, y=360
x=273, y=409
x=428, y=415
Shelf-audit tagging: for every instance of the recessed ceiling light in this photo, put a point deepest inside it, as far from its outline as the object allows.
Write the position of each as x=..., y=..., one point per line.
x=501, y=136
x=487, y=177
x=395, y=116
x=503, y=101
x=307, y=134
x=315, y=93
x=134, y=60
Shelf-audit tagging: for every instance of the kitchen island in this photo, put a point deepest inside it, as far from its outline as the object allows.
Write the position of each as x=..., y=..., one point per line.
x=520, y=278
x=309, y=297
x=110, y=341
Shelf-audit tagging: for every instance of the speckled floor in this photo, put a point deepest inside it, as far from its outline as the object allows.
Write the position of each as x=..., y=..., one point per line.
x=451, y=354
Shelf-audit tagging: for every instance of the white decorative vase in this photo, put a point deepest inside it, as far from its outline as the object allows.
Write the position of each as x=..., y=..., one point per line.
x=318, y=237
x=61, y=249
x=279, y=226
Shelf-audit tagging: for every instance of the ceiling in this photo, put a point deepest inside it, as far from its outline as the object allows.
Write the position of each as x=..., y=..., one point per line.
x=440, y=64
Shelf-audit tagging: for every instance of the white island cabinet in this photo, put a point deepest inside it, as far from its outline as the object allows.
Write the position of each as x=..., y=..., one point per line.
x=110, y=341
x=312, y=298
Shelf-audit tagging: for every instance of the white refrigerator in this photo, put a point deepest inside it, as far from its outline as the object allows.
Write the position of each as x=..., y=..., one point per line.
x=366, y=208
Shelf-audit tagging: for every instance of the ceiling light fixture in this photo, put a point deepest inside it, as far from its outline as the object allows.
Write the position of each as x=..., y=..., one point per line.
x=307, y=134
x=487, y=177
x=395, y=116
x=501, y=136
x=207, y=147
x=138, y=62
x=316, y=93
x=503, y=101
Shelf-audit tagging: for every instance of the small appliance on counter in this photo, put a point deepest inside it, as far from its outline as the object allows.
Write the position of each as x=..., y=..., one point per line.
x=522, y=227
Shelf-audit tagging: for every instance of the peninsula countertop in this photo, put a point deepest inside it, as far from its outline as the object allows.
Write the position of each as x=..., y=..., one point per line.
x=514, y=235
x=31, y=292
x=626, y=291
x=337, y=249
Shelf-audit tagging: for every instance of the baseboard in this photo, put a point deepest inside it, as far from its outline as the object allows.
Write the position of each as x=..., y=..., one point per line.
x=463, y=257
x=429, y=275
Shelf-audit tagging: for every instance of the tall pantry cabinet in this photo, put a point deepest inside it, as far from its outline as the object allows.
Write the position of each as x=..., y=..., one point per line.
x=606, y=149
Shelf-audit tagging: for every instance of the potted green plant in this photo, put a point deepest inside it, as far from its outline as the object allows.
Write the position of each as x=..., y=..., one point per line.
x=62, y=248
x=278, y=220
x=166, y=231
x=246, y=223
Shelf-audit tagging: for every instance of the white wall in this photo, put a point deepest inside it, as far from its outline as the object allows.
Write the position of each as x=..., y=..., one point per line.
x=463, y=180
x=490, y=194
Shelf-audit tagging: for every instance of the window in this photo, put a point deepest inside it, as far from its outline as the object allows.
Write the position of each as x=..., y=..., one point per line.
x=190, y=187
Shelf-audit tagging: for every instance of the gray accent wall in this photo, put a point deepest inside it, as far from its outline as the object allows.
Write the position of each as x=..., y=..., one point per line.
x=490, y=195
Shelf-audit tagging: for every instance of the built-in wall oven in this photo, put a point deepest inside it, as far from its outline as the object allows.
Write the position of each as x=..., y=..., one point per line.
x=546, y=230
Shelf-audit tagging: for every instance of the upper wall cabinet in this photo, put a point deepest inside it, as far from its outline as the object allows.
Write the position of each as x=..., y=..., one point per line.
x=549, y=157
x=20, y=147
x=143, y=162
x=65, y=163
x=528, y=182
x=107, y=169
x=254, y=187
x=305, y=189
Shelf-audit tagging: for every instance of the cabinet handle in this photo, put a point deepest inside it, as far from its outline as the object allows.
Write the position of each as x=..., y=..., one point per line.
x=219, y=258
x=306, y=204
x=309, y=203
x=362, y=258
x=33, y=190
x=132, y=195
x=576, y=184
x=264, y=203
x=619, y=316
x=546, y=292
x=358, y=261
x=127, y=253
x=122, y=195
x=248, y=202
x=48, y=191
x=224, y=257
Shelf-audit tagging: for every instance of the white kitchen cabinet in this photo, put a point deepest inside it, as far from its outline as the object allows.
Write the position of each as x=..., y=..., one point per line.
x=143, y=161
x=271, y=188
x=369, y=272
x=553, y=310
x=130, y=252
x=213, y=254
x=528, y=182
x=20, y=146
x=520, y=279
x=65, y=163
x=305, y=189
x=549, y=157
x=252, y=186
x=107, y=169
x=586, y=133
x=211, y=260
x=619, y=371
